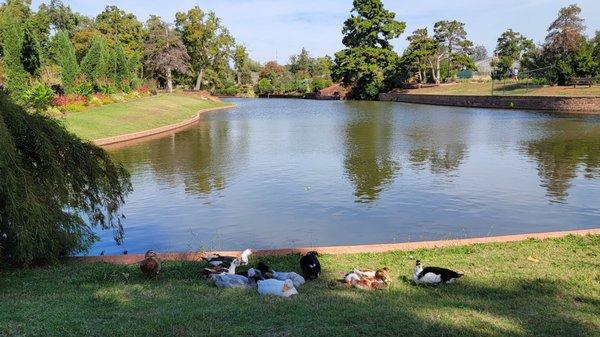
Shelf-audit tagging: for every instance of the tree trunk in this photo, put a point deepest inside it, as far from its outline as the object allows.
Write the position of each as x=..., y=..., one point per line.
x=169, y=80
x=239, y=78
x=199, y=80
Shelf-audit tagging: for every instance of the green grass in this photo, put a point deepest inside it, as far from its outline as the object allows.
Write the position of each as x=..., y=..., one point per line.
x=510, y=88
x=502, y=294
x=136, y=115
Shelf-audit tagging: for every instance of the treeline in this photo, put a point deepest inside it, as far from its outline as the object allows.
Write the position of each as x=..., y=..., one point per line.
x=369, y=65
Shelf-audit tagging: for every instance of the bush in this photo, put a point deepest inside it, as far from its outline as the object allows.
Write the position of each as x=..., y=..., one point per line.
x=320, y=83
x=229, y=91
x=54, y=188
x=265, y=86
x=38, y=97
x=83, y=87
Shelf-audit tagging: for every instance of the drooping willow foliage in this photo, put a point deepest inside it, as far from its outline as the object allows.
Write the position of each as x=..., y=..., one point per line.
x=54, y=188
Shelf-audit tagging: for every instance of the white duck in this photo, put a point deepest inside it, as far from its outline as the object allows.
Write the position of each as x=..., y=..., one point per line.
x=226, y=280
x=434, y=275
x=277, y=288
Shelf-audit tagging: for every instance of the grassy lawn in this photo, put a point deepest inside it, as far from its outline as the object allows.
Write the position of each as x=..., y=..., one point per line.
x=508, y=89
x=136, y=115
x=502, y=294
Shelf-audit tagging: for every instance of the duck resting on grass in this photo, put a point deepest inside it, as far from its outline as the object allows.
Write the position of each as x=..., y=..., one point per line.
x=208, y=272
x=310, y=265
x=367, y=279
x=434, y=275
x=224, y=261
x=269, y=273
x=226, y=280
x=150, y=265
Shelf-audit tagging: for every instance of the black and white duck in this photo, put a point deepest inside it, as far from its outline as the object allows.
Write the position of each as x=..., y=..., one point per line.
x=434, y=275
x=225, y=261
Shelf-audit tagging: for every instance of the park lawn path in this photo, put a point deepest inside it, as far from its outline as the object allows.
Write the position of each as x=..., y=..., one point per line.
x=136, y=115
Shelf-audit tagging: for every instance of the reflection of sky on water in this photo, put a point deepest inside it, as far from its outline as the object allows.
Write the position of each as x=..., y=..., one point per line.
x=278, y=173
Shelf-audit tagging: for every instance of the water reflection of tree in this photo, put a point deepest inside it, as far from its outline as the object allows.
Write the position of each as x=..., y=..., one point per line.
x=368, y=159
x=202, y=157
x=559, y=156
x=442, y=149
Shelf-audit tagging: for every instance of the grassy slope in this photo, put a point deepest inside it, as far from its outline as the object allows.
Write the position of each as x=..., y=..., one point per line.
x=502, y=294
x=509, y=89
x=136, y=115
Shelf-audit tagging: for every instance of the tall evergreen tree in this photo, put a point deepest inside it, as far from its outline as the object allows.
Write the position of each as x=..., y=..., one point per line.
x=16, y=75
x=30, y=51
x=368, y=59
x=64, y=55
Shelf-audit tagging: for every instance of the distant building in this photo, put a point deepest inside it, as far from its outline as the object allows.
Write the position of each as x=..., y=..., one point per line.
x=484, y=70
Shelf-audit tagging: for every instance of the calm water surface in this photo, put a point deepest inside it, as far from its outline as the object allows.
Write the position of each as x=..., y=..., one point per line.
x=279, y=173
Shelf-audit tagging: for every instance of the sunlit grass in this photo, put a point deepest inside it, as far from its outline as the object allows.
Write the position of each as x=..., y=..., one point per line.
x=508, y=88
x=136, y=115
x=502, y=294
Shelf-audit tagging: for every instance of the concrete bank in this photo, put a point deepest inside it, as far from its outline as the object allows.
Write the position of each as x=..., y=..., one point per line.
x=589, y=105
x=155, y=131
x=374, y=248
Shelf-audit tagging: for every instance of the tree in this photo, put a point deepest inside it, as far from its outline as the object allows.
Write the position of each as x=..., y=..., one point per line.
x=419, y=54
x=60, y=16
x=16, y=75
x=368, y=58
x=480, y=53
x=164, y=50
x=453, y=35
x=511, y=48
x=94, y=64
x=122, y=28
x=64, y=55
x=265, y=86
x=30, y=51
x=54, y=188
x=564, y=40
x=207, y=41
x=241, y=62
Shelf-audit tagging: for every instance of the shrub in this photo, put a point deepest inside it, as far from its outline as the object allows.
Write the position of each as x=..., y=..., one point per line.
x=38, y=97
x=70, y=103
x=83, y=87
x=265, y=86
x=320, y=83
x=143, y=90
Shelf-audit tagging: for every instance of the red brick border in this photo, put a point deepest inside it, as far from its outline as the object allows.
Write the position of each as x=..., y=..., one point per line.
x=155, y=131
x=375, y=248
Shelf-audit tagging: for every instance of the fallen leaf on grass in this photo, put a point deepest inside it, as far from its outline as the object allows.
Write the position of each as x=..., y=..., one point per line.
x=532, y=259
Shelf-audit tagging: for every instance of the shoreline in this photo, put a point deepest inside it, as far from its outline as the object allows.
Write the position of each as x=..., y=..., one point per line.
x=351, y=249
x=156, y=131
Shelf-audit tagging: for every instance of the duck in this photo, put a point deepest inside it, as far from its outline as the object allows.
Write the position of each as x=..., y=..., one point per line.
x=269, y=273
x=209, y=271
x=218, y=260
x=434, y=275
x=226, y=280
x=310, y=265
x=150, y=265
x=276, y=287
x=367, y=279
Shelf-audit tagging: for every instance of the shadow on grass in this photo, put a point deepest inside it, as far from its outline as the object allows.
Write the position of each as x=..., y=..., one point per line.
x=103, y=299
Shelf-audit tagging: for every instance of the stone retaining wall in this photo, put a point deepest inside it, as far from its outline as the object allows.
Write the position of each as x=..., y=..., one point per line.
x=550, y=103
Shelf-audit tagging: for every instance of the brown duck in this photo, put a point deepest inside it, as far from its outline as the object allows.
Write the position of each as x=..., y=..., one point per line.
x=150, y=266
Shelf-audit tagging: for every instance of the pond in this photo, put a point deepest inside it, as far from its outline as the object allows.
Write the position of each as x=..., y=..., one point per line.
x=274, y=173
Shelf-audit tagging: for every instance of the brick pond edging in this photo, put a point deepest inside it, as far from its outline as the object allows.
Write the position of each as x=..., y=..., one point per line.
x=548, y=103
x=373, y=248
x=155, y=131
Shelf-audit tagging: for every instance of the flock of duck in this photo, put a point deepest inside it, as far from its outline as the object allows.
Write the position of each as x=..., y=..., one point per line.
x=223, y=274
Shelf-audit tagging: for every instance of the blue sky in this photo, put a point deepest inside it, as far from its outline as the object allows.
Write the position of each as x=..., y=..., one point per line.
x=279, y=28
